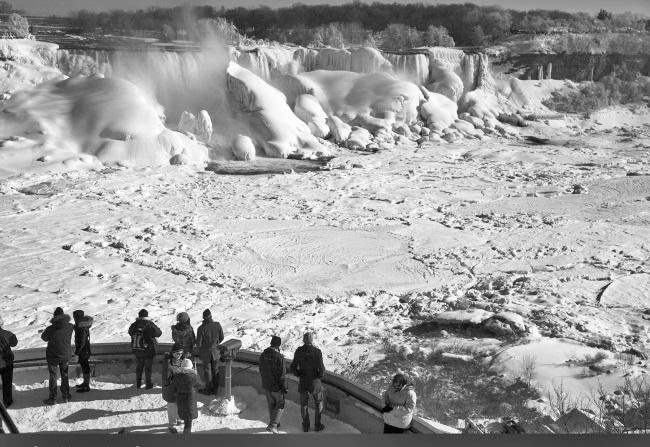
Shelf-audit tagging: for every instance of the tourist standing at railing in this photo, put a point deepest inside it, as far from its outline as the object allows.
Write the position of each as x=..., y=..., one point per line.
x=7, y=341
x=143, y=334
x=274, y=382
x=171, y=365
x=58, y=353
x=82, y=325
x=185, y=384
x=183, y=334
x=308, y=366
x=399, y=405
x=208, y=337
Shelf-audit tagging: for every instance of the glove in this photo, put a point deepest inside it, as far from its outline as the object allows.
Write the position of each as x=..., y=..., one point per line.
x=387, y=409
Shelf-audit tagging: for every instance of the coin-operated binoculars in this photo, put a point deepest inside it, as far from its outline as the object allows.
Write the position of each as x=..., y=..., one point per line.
x=228, y=350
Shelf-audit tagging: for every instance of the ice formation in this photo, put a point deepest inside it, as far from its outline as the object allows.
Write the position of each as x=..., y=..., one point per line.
x=106, y=118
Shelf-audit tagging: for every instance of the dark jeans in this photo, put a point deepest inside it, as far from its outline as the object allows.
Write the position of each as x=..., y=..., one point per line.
x=143, y=362
x=85, y=364
x=211, y=375
x=391, y=429
x=52, y=365
x=317, y=394
x=187, y=428
x=275, y=401
x=7, y=375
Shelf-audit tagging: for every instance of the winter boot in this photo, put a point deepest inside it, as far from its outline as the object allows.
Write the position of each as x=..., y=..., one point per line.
x=85, y=386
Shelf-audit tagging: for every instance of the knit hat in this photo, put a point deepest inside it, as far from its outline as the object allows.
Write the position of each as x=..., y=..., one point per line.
x=77, y=314
x=143, y=313
x=183, y=317
x=187, y=365
x=276, y=341
x=400, y=378
x=58, y=311
x=308, y=338
x=177, y=348
x=207, y=313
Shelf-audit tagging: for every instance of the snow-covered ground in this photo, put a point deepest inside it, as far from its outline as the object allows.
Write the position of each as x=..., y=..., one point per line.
x=115, y=406
x=525, y=244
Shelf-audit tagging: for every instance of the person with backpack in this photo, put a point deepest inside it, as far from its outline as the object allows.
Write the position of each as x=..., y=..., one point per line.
x=58, y=353
x=308, y=366
x=399, y=405
x=143, y=334
x=8, y=340
x=171, y=365
x=274, y=382
x=82, y=324
x=185, y=384
x=183, y=334
x=208, y=337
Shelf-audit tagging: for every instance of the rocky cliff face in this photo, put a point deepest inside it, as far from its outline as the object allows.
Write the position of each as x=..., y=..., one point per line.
x=576, y=67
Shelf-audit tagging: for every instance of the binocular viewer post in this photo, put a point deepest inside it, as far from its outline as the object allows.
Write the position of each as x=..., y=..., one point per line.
x=228, y=350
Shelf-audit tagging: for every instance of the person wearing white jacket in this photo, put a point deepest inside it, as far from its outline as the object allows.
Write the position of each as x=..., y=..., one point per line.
x=399, y=405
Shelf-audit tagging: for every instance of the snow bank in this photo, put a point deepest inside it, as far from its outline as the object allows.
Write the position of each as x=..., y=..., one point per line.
x=108, y=118
x=266, y=116
x=352, y=94
x=631, y=291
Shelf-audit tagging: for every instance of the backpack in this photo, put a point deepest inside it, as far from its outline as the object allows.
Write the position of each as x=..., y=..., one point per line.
x=138, y=343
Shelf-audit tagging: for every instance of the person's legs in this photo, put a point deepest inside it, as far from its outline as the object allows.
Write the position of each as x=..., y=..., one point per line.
x=85, y=369
x=214, y=371
x=278, y=409
x=148, y=367
x=65, y=385
x=318, y=405
x=270, y=403
x=139, y=367
x=304, y=409
x=51, y=369
x=7, y=374
x=172, y=413
x=187, y=429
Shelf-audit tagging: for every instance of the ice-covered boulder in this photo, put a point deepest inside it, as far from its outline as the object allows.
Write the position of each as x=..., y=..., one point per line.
x=445, y=81
x=632, y=291
x=243, y=148
x=200, y=126
x=352, y=94
x=309, y=110
x=264, y=113
x=359, y=138
x=439, y=111
x=340, y=131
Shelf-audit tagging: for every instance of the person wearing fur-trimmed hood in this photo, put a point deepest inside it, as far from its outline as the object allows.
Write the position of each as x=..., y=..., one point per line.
x=82, y=324
x=399, y=405
x=183, y=334
x=58, y=353
x=185, y=382
x=171, y=365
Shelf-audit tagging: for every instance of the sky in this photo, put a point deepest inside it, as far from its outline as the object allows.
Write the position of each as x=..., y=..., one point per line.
x=64, y=7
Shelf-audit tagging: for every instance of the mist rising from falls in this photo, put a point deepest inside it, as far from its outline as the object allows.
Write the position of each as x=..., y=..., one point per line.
x=179, y=81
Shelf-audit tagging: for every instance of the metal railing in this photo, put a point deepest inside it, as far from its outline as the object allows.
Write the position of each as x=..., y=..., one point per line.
x=104, y=353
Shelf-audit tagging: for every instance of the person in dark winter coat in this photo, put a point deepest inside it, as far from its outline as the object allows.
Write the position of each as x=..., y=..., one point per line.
x=308, y=366
x=7, y=341
x=58, y=353
x=399, y=405
x=171, y=365
x=185, y=383
x=183, y=334
x=82, y=324
x=143, y=334
x=208, y=337
x=274, y=381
